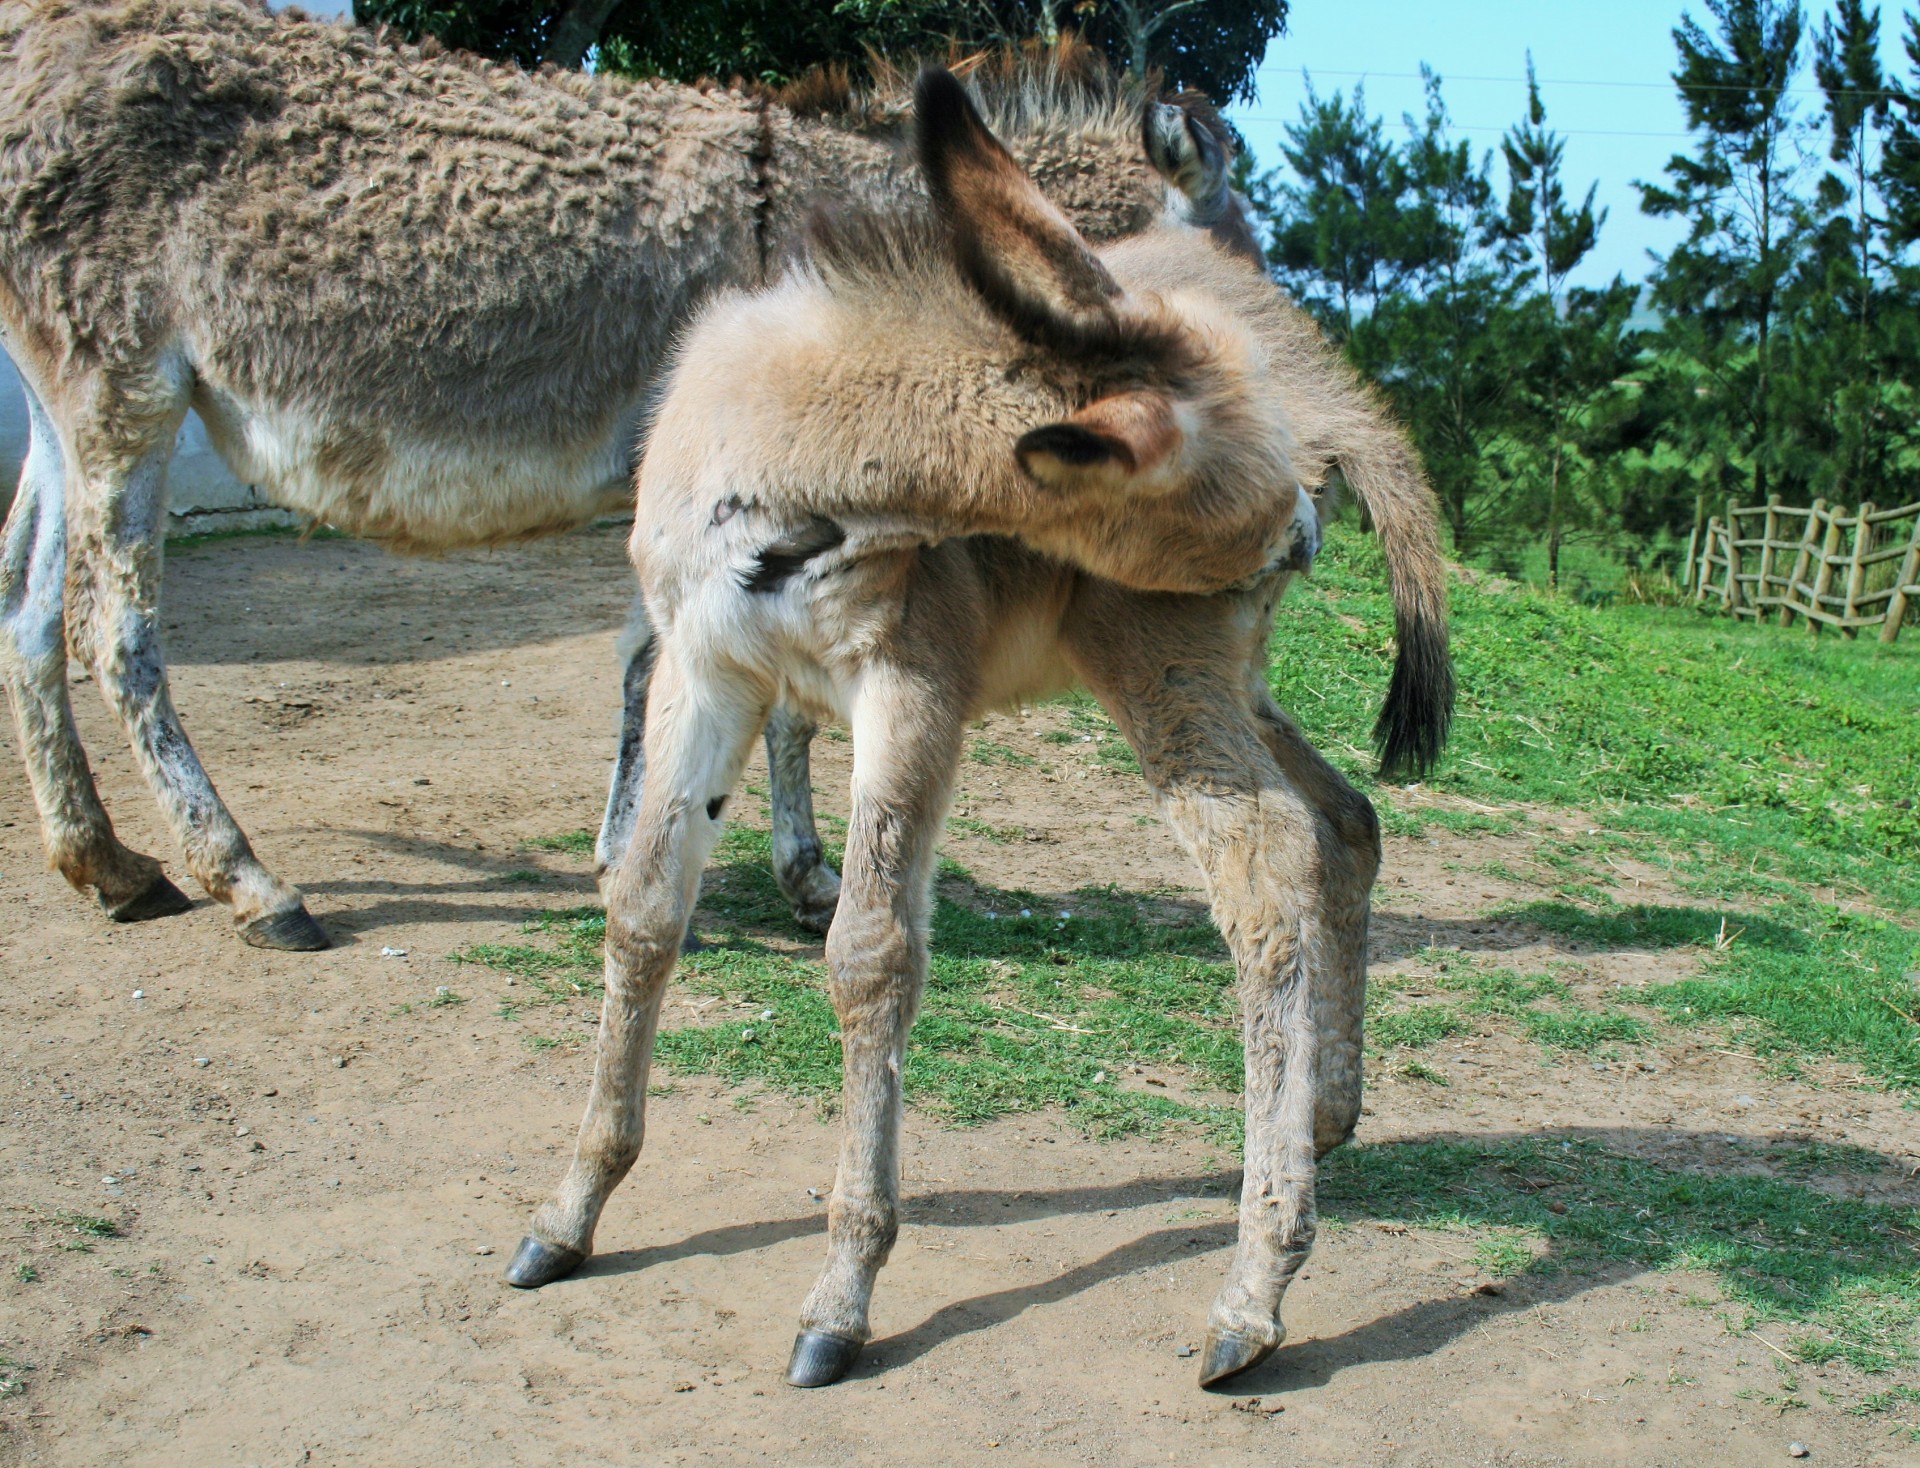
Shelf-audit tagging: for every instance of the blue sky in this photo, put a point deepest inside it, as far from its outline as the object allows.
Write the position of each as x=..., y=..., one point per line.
x=1605, y=72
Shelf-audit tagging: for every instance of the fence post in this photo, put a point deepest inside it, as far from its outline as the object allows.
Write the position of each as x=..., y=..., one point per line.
x=1762, y=588
x=1909, y=574
x=1823, y=579
x=1856, y=568
x=1692, y=583
x=1732, y=599
x=1802, y=555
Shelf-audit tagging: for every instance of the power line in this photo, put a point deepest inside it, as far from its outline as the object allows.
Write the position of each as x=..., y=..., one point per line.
x=1520, y=81
x=1565, y=132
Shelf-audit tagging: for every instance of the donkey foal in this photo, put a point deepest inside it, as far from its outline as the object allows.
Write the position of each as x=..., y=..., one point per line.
x=802, y=539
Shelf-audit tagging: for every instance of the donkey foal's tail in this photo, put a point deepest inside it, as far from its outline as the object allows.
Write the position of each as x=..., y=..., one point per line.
x=1413, y=723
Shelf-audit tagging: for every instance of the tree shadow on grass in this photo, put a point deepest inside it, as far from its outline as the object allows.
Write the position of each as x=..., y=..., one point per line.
x=1592, y=1212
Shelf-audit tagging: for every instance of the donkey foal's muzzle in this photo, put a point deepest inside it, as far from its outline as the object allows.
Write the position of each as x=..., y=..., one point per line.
x=1300, y=542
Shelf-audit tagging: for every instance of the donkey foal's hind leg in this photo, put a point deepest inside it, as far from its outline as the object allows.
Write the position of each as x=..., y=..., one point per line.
x=1173, y=672
x=79, y=838
x=701, y=729
x=1348, y=836
x=906, y=745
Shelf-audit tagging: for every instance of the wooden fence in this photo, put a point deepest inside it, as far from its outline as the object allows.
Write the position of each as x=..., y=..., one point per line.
x=1775, y=562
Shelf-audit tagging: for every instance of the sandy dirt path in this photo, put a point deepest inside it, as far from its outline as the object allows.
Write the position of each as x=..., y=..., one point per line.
x=318, y=1190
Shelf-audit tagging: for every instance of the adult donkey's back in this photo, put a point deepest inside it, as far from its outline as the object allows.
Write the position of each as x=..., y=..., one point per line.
x=414, y=295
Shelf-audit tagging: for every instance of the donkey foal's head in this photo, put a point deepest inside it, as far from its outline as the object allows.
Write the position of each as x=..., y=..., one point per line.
x=1176, y=390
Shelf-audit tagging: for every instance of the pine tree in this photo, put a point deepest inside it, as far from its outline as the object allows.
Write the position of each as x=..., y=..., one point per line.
x=1332, y=222
x=1547, y=238
x=1722, y=288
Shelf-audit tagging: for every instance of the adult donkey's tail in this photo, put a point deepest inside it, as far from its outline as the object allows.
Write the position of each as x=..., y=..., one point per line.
x=1384, y=473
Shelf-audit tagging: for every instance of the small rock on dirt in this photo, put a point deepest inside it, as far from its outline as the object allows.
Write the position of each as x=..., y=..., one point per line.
x=1799, y=1450
x=1186, y=1351
x=484, y=1249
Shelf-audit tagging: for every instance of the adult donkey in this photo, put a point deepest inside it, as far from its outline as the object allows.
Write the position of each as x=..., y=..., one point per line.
x=823, y=448
x=413, y=295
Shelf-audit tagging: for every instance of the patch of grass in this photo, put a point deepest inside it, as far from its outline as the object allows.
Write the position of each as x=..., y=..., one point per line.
x=525, y=876
x=1832, y=983
x=1020, y=1012
x=89, y=1225
x=445, y=998
x=999, y=835
x=177, y=543
x=1777, y=773
x=25, y=1273
x=991, y=752
x=573, y=843
x=1843, y=1275
x=1583, y=1030
x=1902, y=1399
x=1415, y=1029
x=13, y=1376
x=1110, y=750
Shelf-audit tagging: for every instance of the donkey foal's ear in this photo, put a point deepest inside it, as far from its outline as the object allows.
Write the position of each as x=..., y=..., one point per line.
x=1119, y=440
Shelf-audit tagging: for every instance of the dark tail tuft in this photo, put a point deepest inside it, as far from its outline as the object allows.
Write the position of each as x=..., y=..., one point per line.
x=1413, y=724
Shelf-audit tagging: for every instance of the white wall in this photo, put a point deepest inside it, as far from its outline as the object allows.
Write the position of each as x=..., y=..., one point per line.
x=202, y=493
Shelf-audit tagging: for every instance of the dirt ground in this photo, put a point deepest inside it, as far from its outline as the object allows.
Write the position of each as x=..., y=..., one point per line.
x=318, y=1191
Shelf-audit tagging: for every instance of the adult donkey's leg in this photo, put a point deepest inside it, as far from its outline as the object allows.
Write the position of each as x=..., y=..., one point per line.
x=630, y=764
x=79, y=838
x=1348, y=835
x=697, y=740
x=799, y=865
x=115, y=518
x=1173, y=672
x=906, y=745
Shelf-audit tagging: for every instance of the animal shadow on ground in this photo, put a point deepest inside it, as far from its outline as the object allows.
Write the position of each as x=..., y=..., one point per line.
x=1544, y=1216
x=1606, y=1210
x=431, y=902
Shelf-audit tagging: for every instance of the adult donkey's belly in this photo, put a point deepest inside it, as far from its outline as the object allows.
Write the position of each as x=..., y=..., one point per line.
x=425, y=489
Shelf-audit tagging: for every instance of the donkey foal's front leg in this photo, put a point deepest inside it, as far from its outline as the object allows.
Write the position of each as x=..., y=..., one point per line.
x=906, y=745
x=701, y=729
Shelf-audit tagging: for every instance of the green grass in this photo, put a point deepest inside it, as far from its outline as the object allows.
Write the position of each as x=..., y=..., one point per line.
x=13, y=1377
x=177, y=543
x=573, y=843
x=1842, y=1276
x=1021, y=1012
x=1780, y=777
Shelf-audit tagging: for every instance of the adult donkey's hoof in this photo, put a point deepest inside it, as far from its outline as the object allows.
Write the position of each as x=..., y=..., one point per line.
x=158, y=899
x=1229, y=1353
x=536, y=1263
x=820, y=1359
x=292, y=931
x=815, y=897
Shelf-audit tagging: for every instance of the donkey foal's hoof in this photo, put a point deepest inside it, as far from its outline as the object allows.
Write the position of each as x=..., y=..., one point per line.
x=158, y=899
x=537, y=1262
x=820, y=1359
x=1228, y=1353
x=293, y=931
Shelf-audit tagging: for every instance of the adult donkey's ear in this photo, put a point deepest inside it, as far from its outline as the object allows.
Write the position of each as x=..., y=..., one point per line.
x=1127, y=440
x=1016, y=249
